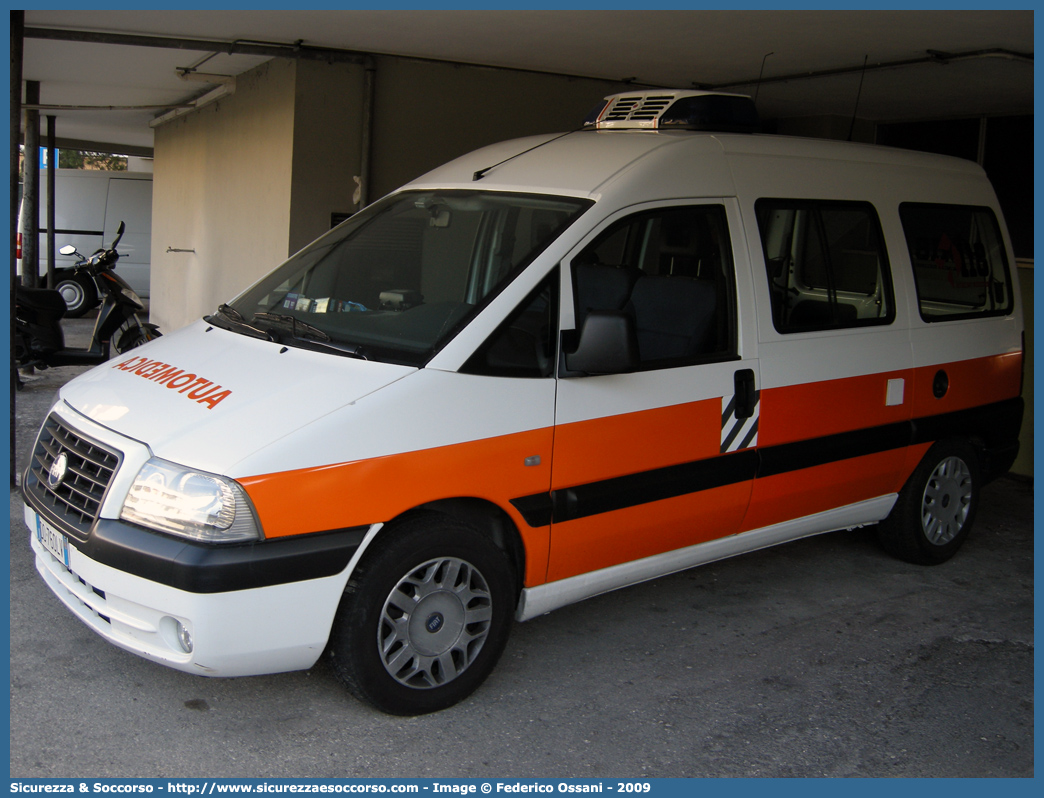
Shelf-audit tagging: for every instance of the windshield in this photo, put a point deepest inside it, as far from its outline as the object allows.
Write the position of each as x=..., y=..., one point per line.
x=398, y=280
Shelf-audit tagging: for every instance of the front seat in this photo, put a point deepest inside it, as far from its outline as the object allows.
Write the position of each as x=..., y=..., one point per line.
x=674, y=316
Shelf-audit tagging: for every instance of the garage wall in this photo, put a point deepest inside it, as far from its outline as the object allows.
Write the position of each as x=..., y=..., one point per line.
x=221, y=187
x=327, y=146
x=429, y=113
x=252, y=178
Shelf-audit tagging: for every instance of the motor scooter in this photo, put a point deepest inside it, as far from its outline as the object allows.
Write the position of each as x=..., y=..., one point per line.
x=39, y=340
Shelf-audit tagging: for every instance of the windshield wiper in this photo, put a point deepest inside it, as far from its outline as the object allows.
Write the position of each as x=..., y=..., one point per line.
x=234, y=319
x=307, y=333
x=294, y=323
x=231, y=312
x=352, y=350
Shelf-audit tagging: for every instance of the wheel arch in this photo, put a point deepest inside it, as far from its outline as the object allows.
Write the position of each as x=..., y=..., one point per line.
x=992, y=430
x=488, y=518
x=479, y=514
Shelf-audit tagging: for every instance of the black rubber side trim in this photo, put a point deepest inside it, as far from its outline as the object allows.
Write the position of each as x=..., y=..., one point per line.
x=796, y=456
x=996, y=424
x=536, y=510
x=202, y=568
x=651, y=486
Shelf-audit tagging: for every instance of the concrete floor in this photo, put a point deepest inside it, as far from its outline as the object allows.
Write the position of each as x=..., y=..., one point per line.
x=823, y=657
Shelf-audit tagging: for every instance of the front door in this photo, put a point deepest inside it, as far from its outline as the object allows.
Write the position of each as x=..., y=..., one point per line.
x=662, y=458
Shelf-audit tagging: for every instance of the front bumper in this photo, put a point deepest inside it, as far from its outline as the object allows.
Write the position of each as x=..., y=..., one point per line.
x=238, y=632
x=250, y=608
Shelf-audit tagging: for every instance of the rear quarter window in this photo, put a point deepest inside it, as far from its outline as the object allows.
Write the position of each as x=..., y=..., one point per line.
x=959, y=263
x=826, y=264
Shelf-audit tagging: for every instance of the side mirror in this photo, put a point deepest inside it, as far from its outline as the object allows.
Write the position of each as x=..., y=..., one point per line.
x=608, y=344
x=68, y=249
x=119, y=235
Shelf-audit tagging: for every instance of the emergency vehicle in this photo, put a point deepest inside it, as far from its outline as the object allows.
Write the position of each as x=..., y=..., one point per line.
x=552, y=368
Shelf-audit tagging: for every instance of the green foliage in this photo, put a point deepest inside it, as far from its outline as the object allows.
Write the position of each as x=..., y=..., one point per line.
x=77, y=159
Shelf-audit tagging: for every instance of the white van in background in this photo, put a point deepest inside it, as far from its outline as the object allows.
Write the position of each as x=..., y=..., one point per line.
x=89, y=206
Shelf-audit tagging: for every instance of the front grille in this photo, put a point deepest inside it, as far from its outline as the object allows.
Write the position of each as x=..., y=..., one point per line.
x=73, y=501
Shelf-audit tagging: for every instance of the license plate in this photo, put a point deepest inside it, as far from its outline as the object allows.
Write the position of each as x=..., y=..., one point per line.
x=52, y=540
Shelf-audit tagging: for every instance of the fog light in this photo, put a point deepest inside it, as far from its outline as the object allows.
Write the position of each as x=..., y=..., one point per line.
x=184, y=638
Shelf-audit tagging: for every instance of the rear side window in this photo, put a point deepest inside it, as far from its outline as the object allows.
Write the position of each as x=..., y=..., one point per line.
x=958, y=259
x=826, y=262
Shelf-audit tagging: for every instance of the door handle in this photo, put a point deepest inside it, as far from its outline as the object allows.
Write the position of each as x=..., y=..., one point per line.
x=746, y=395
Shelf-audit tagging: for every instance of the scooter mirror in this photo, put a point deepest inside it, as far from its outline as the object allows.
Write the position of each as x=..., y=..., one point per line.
x=68, y=249
x=119, y=235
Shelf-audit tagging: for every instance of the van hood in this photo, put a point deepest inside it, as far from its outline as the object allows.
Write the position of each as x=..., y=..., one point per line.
x=208, y=398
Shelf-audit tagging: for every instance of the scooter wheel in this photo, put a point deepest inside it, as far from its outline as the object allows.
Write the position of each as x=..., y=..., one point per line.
x=79, y=293
x=136, y=336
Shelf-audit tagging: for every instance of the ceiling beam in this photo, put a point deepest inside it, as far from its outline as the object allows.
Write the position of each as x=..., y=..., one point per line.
x=932, y=57
x=277, y=50
x=107, y=148
x=237, y=47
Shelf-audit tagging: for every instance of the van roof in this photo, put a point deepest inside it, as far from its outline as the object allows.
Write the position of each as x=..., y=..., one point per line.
x=585, y=162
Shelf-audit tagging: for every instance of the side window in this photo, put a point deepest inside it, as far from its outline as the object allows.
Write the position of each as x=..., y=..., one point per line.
x=524, y=345
x=958, y=259
x=826, y=262
x=670, y=270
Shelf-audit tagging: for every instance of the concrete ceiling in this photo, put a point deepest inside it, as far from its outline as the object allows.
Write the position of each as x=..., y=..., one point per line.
x=675, y=49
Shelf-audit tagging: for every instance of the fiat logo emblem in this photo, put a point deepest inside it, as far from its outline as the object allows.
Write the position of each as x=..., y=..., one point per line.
x=59, y=469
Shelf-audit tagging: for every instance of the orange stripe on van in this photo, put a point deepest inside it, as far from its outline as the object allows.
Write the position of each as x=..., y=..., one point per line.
x=630, y=443
x=381, y=488
x=817, y=409
x=796, y=494
x=601, y=541
x=972, y=383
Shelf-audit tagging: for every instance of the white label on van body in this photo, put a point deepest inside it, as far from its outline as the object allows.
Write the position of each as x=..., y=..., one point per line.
x=894, y=392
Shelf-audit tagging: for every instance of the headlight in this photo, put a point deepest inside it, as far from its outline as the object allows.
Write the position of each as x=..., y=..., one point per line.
x=133, y=297
x=189, y=503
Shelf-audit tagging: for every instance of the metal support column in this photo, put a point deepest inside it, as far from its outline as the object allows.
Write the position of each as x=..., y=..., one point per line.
x=17, y=26
x=52, y=166
x=31, y=189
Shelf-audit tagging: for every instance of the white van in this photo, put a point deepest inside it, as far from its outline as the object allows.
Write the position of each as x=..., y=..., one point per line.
x=551, y=368
x=89, y=206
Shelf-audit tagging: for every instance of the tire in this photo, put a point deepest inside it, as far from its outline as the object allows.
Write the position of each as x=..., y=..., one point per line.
x=135, y=335
x=936, y=508
x=80, y=294
x=424, y=617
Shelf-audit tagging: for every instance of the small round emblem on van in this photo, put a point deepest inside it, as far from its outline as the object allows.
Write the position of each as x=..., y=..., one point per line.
x=434, y=622
x=59, y=468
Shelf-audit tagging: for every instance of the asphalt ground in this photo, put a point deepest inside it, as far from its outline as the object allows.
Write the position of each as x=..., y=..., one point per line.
x=823, y=657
